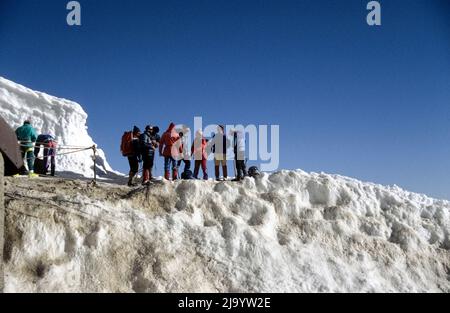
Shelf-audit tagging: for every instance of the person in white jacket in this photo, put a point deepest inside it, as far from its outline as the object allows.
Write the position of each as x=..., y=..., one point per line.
x=184, y=148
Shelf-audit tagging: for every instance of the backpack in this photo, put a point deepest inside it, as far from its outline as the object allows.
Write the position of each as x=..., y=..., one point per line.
x=253, y=172
x=39, y=167
x=126, y=145
x=187, y=174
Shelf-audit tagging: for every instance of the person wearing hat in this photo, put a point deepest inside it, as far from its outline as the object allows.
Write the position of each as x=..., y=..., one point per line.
x=220, y=144
x=133, y=155
x=148, y=141
x=239, y=153
x=198, y=151
x=170, y=150
x=48, y=141
x=27, y=136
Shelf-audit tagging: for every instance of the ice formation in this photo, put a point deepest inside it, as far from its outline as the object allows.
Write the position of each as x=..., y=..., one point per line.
x=60, y=117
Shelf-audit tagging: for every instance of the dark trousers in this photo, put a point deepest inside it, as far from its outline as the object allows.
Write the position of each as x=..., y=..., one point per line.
x=240, y=168
x=147, y=166
x=134, y=164
x=197, y=165
x=168, y=163
x=49, y=153
x=187, y=164
x=148, y=161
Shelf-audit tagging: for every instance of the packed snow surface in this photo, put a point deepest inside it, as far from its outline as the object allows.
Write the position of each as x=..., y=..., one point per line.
x=290, y=231
x=60, y=117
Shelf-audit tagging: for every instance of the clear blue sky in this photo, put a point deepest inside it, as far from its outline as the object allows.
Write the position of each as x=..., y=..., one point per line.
x=371, y=103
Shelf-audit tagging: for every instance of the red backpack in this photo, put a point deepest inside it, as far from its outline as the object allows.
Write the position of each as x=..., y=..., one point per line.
x=126, y=145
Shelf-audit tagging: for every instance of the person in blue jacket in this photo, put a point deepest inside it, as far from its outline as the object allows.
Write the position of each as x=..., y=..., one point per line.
x=148, y=142
x=26, y=135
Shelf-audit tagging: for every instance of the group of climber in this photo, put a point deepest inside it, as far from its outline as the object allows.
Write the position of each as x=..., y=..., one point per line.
x=141, y=147
x=30, y=146
x=173, y=145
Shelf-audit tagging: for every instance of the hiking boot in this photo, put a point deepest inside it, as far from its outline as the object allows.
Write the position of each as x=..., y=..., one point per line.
x=175, y=174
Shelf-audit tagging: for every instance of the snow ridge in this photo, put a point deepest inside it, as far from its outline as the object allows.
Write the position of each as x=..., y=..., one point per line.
x=290, y=231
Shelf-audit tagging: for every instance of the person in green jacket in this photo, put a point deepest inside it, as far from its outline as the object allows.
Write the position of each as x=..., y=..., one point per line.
x=26, y=135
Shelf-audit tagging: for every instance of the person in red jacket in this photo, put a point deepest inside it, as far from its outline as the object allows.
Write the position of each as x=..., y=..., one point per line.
x=170, y=148
x=198, y=150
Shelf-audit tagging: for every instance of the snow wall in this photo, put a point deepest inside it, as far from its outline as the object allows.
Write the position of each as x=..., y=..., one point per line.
x=290, y=231
x=60, y=117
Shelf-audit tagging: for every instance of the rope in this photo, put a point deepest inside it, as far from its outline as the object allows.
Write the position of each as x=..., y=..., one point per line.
x=77, y=150
x=67, y=148
x=38, y=145
x=62, y=147
x=22, y=142
x=61, y=154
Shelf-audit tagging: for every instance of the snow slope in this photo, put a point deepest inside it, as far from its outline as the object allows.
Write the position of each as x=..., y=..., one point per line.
x=63, y=118
x=289, y=231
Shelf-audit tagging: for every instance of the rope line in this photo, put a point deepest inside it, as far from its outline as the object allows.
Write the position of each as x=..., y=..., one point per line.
x=60, y=154
x=54, y=155
x=62, y=147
